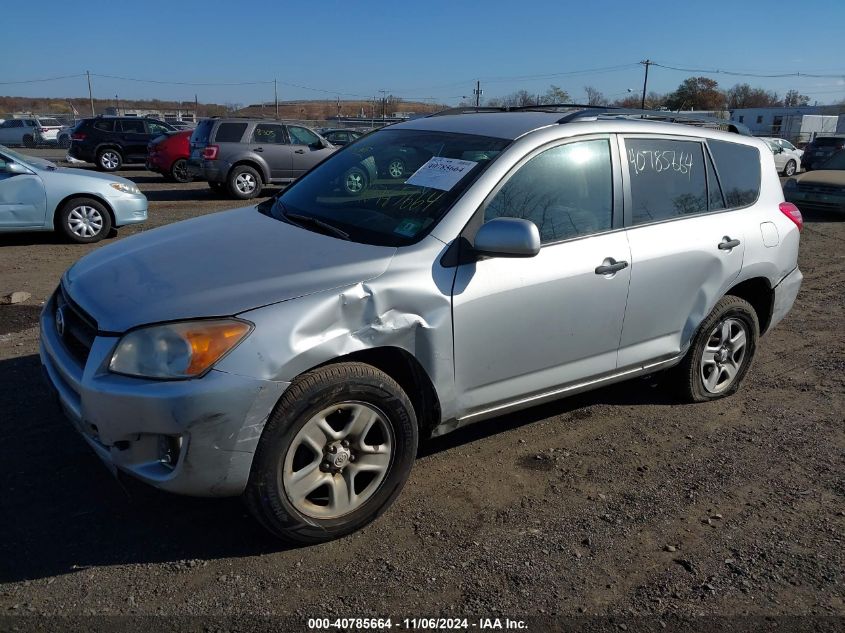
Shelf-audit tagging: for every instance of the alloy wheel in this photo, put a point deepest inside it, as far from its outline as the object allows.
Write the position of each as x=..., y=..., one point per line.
x=110, y=160
x=245, y=183
x=338, y=460
x=723, y=354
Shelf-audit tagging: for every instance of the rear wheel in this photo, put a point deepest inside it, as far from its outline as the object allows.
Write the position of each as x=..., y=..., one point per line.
x=28, y=140
x=721, y=352
x=244, y=182
x=790, y=168
x=334, y=454
x=179, y=171
x=84, y=220
x=64, y=141
x=109, y=159
x=396, y=168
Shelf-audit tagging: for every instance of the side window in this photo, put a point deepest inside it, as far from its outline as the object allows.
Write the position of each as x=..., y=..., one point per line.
x=30, y=123
x=667, y=179
x=132, y=126
x=739, y=171
x=302, y=136
x=269, y=133
x=230, y=132
x=105, y=125
x=567, y=191
x=157, y=128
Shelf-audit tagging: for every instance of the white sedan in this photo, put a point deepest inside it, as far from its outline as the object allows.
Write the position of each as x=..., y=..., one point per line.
x=787, y=156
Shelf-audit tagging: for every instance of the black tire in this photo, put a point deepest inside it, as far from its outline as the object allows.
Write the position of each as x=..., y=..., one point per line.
x=109, y=159
x=244, y=182
x=28, y=141
x=70, y=220
x=355, y=181
x=790, y=168
x=64, y=141
x=179, y=171
x=311, y=393
x=690, y=373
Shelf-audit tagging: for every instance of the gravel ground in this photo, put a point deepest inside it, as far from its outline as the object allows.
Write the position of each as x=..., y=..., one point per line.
x=619, y=503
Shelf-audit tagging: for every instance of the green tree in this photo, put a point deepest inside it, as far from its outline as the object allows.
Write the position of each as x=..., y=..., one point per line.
x=696, y=93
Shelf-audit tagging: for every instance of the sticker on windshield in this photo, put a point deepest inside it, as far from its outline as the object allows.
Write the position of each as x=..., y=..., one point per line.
x=441, y=173
x=408, y=228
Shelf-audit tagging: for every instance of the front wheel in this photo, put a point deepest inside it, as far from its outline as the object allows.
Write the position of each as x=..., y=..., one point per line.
x=790, y=168
x=721, y=352
x=334, y=454
x=84, y=220
x=109, y=159
x=355, y=181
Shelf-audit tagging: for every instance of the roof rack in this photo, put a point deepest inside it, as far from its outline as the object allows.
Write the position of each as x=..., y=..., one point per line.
x=575, y=111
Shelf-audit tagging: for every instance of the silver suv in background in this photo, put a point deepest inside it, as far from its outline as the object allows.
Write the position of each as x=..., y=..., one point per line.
x=296, y=351
x=239, y=156
x=30, y=132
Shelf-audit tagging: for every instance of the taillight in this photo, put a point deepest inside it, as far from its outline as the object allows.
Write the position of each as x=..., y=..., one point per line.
x=210, y=152
x=792, y=212
x=77, y=136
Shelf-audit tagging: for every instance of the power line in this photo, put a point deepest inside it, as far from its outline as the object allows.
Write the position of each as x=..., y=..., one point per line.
x=33, y=81
x=184, y=83
x=734, y=73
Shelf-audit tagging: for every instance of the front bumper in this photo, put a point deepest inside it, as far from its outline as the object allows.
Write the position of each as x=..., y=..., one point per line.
x=216, y=420
x=785, y=293
x=129, y=209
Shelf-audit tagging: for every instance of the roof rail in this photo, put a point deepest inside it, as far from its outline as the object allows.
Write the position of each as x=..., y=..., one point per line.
x=687, y=118
x=583, y=111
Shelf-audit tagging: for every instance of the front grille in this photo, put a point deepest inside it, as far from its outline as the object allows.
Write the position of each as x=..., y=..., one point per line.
x=80, y=329
x=813, y=188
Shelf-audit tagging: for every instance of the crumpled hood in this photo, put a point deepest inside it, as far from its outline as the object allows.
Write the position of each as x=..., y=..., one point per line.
x=216, y=265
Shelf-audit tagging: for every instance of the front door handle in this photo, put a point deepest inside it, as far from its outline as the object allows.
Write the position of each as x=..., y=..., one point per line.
x=259, y=149
x=727, y=244
x=610, y=266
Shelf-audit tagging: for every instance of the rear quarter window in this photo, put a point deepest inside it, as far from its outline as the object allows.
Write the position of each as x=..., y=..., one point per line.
x=230, y=132
x=202, y=132
x=739, y=172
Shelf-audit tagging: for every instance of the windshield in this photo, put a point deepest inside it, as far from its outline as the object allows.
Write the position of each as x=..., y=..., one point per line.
x=388, y=188
x=837, y=161
x=30, y=161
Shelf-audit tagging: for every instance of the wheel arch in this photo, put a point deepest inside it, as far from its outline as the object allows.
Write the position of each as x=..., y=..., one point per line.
x=406, y=370
x=255, y=164
x=759, y=293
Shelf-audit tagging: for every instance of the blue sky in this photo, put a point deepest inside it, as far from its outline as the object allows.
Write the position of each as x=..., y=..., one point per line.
x=431, y=49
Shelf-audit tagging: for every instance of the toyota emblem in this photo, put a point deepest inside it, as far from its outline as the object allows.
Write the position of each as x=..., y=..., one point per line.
x=60, y=321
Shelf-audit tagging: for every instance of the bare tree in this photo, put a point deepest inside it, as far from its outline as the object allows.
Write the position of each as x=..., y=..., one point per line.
x=594, y=96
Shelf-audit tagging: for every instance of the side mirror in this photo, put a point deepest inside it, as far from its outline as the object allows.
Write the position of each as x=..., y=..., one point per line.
x=507, y=237
x=16, y=168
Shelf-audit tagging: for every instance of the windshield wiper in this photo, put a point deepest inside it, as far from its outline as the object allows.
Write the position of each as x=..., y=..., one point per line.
x=299, y=219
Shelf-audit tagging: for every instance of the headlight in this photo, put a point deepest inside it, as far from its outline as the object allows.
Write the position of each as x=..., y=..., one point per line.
x=176, y=350
x=790, y=184
x=124, y=188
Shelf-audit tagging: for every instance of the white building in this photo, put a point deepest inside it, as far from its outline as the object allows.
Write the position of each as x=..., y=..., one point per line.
x=798, y=125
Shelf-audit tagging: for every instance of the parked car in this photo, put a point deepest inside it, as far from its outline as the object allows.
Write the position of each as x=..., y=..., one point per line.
x=239, y=156
x=110, y=142
x=168, y=155
x=340, y=136
x=296, y=351
x=787, y=156
x=822, y=189
x=35, y=195
x=820, y=149
x=183, y=125
x=29, y=132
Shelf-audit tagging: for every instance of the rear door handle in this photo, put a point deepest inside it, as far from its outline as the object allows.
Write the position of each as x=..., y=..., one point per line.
x=299, y=151
x=727, y=244
x=610, y=266
x=259, y=149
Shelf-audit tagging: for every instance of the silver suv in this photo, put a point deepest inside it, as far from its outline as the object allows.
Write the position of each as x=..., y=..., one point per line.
x=295, y=352
x=239, y=156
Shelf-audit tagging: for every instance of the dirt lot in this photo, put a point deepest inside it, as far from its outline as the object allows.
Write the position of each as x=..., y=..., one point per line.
x=619, y=503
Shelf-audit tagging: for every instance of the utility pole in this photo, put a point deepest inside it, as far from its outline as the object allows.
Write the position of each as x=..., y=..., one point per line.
x=477, y=93
x=276, y=96
x=645, y=63
x=196, y=109
x=117, y=105
x=90, y=94
x=383, y=105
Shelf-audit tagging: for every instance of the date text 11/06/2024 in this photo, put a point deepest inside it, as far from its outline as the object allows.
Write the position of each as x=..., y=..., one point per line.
x=417, y=624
